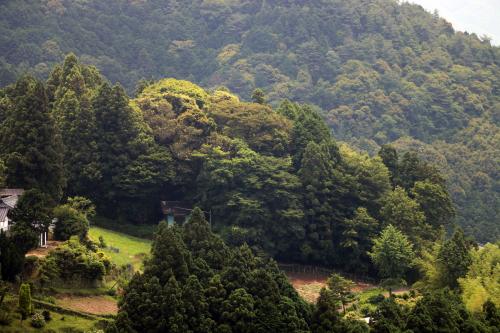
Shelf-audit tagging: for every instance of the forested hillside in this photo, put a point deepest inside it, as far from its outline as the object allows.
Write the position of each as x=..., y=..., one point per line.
x=274, y=184
x=382, y=71
x=272, y=178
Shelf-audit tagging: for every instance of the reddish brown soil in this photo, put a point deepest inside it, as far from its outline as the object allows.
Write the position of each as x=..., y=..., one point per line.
x=43, y=251
x=308, y=285
x=98, y=305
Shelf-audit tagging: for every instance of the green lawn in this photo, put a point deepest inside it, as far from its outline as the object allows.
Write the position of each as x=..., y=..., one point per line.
x=145, y=231
x=59, y=323
x=129, y=249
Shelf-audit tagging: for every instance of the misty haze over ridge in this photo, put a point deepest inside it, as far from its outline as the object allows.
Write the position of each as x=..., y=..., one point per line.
x=474, y=16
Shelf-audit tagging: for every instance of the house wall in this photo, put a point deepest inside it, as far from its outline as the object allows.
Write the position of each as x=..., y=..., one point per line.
x=5, y=225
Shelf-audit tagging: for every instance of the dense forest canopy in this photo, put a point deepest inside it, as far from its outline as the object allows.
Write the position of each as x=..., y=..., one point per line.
x=382, y=71
x=351, y=135
x=272, y=178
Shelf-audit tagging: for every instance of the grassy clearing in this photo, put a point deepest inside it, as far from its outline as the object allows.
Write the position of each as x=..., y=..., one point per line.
x=145, y=231
x=81, y=291
x=59, y=323
x=366, y=294
x=129, y=249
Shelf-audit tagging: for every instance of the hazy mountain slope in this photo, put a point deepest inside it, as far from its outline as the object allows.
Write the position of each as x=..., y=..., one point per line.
x=382, y=71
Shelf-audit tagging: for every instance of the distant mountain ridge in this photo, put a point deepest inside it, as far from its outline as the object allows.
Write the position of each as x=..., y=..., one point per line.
x=383, y=72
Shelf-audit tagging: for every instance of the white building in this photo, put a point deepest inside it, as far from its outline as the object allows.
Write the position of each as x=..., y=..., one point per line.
x=8, y=201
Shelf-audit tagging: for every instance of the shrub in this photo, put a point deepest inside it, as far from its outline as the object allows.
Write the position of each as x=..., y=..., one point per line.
x=49, y=299
x=102, y=243
x=46, y=315
x=376, y=299
x=37, y=320
x=70, y=222
x=365, y=310
x=73, y=263
x=103, y=324
x=25, y=306
x=31, y=264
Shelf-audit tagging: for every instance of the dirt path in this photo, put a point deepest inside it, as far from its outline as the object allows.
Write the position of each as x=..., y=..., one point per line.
x=41, y=252
x=98, y=305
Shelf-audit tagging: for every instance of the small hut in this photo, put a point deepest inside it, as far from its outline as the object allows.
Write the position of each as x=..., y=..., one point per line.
x=175, y=212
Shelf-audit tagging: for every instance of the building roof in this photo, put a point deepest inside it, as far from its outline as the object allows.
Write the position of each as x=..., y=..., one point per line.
x=177, y=208
x=10, y=201
x=3, y=213
x=7, y=192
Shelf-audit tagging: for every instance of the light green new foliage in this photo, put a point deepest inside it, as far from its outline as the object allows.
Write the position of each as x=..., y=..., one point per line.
x=392, y=253
x=178, y=87
x=428, y=265
x=482, y=281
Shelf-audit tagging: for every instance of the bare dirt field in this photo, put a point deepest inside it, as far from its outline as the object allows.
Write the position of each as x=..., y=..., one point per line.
x=308, y=285
x=98, y=305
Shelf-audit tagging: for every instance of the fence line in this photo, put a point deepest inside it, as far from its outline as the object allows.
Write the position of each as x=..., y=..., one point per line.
x=318, y=270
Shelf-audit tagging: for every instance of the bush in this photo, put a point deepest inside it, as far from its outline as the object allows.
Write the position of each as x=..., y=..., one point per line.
x=25, y=306
x=103, y=324
x=365, y=310
x=46, y=315
x=72, y=263
x=49, y=299
x=376, y=299
x=31, y=264
x=5, y=317
x=102, y=243
x=37, y=320
x=70, y=222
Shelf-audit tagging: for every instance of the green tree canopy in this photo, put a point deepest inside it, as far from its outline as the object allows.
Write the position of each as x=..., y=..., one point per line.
x=455, y=258
x=392, y=253
x=30, y=217
x=30, y=141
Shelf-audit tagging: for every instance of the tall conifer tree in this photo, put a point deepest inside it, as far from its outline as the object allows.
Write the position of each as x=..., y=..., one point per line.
x=30, y=141
x=75, y=118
